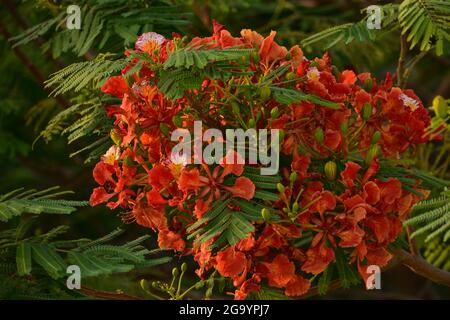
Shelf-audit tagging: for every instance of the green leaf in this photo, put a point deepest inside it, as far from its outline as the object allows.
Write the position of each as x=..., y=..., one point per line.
x=23, y=258
x=47, y=257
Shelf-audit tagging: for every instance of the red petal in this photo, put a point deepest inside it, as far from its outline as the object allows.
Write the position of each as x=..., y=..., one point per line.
x=243, y=188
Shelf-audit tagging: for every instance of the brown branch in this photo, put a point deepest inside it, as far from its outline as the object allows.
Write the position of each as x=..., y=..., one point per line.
x=23, y=23
x=401, y=61
x=100, y=294
x=421, y=267
x=29, y=64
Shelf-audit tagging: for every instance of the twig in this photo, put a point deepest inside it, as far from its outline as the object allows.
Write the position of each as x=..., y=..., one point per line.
x=106, y=294
x=421, y=267
x=401, y=61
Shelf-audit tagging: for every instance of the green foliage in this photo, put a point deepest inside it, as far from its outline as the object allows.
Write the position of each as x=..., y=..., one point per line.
x=104, y=24
x=433, y=217
x=348, y=32
x=87, y=74
x=424, y=20
x=229, y=226
x=437, y=253
x=185, y=69
x=19, y=201
x=289, y=96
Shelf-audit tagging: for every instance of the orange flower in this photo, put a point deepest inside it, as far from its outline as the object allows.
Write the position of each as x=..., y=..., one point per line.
x=280, y=271
x=230, y=263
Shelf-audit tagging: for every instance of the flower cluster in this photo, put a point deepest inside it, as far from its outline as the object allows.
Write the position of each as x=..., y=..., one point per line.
x=338, y=129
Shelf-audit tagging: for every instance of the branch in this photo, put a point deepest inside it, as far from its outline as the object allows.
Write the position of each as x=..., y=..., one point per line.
x=106, y=294
x=421, y=267
x=401, y=61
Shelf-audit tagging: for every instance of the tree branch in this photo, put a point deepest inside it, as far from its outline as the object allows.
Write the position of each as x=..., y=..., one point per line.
x=421, y=267
x=401, y=61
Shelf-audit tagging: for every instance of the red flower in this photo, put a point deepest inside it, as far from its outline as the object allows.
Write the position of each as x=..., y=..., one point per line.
x=243, y=188
x=349, y=174
x=115, y=86
x=230, y=263
x=297, y=286
x=280, y=271
x=318, y=258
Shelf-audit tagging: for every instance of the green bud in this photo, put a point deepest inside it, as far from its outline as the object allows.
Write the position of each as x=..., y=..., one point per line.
x=175, y=272
x=274, y=113
x=288, y=56
x=255, y=56
x=376, y=137
x=301, y=150
x=199, y=285
x=366, y=111
x=336, y=72
x=318, y=134
x=371, y=154
x=285, y=210
x=344, y=127
x=290, y=76
x=128, y=161
x=258, y=116
x=164, y=128
x=440, y=107
x=265, y=213
x=281, y=134
x=281, y=188
x=264, y=93
x=235, y=107
x=144, y=284
x=115, y=136
x=293, y=176
x=184, y=267
x=314, y=64
x=251, y=123
x=177, y=120
x=295, y=207
x=368, y=84
x=330, y=170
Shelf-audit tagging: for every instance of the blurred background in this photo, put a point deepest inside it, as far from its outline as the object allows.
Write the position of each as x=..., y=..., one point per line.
x=27, y=160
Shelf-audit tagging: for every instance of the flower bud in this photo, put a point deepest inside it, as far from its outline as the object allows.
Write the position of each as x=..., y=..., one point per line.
x=336, y=72
x=251, y=123
x=264, y=93
x=164, y=128
x=199, y=285
x=255, y=56
x=318, y=134
x=235, y=107
x=281, y=134
x=265, y=213
x=115, y=136
x=144, y=284
x=371, y=154
x=376, y=137
x=280, y=188
x=177, y=120
x=330, y=170
x=293, y=177
x=366, y=111
x=184, y=267
x=440, y=107
x=295, y=207
x=290, y=76
x=274, y=113
x=288, y=56
x=344, y=127
x=368, y=84
x=175, y=272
